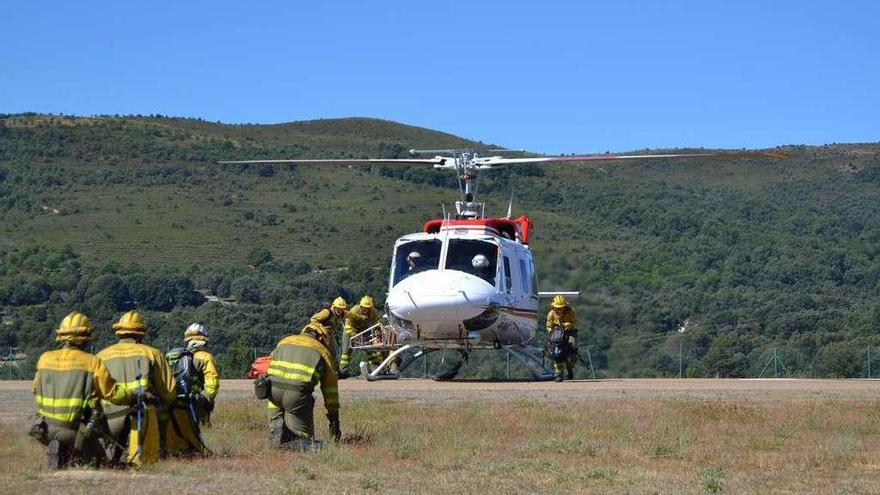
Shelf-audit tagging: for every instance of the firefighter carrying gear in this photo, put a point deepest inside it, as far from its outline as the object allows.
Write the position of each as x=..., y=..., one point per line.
x=67, y=386
x=207, y=379
x=297, y=364
x=138, y=367
x=360, y=318
x=563, y=315
x=202, y=381
x=332, y=318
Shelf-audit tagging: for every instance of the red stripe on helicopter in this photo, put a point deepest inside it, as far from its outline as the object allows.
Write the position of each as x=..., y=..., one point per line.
x=525, y=313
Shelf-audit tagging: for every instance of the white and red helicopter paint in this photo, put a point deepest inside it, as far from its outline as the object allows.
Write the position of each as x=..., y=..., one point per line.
x=466, y=281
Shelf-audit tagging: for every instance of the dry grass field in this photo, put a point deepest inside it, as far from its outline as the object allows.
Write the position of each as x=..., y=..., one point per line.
x=615, y=436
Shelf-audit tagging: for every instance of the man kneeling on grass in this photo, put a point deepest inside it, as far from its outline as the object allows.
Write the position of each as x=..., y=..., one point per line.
x=297, y=364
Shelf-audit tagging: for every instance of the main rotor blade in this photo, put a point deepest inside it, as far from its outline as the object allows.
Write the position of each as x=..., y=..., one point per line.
x=439, y=160
x=492, y=161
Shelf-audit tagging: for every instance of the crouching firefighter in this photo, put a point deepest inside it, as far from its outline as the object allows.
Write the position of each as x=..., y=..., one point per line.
x=196, y=378
x=67, y=386
x=333, y=318
x=360, y=318
x=562, y=333
x=147, y=378
x=297, y=364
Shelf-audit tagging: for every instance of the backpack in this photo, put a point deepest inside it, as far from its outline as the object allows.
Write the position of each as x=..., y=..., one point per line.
x=183, y=366
x=557, y=344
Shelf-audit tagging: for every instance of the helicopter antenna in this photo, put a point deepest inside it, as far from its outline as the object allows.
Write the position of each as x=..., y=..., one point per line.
x=510, y=204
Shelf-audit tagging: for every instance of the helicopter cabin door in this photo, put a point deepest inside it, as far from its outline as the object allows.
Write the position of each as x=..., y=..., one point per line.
x=511, y=276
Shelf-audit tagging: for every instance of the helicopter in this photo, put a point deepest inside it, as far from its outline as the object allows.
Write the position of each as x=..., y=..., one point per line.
x=466, y=281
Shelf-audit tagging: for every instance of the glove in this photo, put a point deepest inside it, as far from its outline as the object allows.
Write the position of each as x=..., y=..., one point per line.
x=571, y=340
x=335, y=431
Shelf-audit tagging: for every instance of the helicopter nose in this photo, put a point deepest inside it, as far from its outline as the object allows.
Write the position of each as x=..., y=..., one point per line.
x=437, y=295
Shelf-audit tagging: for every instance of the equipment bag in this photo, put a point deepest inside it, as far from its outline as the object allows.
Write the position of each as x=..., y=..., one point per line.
x=262, y=387
x=557, y=344
x=183, y=366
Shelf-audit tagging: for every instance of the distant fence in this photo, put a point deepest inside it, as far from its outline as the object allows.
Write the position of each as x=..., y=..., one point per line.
x=677, y=362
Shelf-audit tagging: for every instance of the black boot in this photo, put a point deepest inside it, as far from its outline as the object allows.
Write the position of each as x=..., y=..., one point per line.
x=557, y=378
x=570, y=375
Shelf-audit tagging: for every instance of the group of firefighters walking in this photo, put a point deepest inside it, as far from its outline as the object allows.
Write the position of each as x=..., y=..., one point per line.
x=130, y=404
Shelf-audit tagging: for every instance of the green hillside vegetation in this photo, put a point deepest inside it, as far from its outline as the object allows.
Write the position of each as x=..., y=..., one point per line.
x=109, y=213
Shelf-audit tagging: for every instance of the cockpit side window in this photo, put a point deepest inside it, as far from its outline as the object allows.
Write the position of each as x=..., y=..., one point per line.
x=472, y=256
x=508, y=281
x=416, y=256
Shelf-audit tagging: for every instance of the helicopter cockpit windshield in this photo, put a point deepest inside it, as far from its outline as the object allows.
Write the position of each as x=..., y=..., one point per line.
x=475, y=257
x=416, y=256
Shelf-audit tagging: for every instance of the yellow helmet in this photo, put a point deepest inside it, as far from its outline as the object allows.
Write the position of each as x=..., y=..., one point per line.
x=340, y=303
x=74, y=329
x=558, y=302
x=317, y=331
x=131, y=324
x=366, y=302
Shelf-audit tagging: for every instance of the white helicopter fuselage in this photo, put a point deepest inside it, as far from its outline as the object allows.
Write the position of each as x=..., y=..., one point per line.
x=472, y=284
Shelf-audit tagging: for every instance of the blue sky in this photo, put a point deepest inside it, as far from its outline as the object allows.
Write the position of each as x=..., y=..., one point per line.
x=551, y=77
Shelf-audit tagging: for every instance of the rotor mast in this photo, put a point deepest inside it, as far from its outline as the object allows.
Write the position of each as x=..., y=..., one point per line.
x=466, y=165
x=467, y=207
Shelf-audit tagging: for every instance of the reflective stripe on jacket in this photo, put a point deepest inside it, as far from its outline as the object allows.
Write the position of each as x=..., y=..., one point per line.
x=301, y=361
x=123, y=359
x=68, y=380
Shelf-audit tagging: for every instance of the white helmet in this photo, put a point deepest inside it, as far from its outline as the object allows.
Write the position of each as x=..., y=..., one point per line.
x=480, y=262
x=196, y=331
x=414, y=255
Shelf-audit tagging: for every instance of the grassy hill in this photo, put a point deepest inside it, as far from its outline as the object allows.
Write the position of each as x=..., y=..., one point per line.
x=756, y=253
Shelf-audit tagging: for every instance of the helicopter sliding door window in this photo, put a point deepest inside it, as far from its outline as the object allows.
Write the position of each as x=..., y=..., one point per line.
x=473, y=256
x=508, y=281
x=524, y=276
x=416, y=256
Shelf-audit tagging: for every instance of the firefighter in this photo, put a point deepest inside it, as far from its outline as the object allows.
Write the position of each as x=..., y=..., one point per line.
x=562, y=314
x=207, y=376
x=297, y=364
x=67, y=386
x=197, y=379
x=144, y=373
x=361, y=317
x=332, y=318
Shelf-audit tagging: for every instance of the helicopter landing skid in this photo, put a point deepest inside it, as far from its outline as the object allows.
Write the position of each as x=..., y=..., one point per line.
x=532, y=359
x=380, y=372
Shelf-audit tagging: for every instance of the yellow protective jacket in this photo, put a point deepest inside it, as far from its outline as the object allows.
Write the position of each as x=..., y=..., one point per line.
x=67, y=381
x=328, y=318
x=123, y=359
x=208, y=377
x=300, y=362
x=356, y=321
x=568, y=319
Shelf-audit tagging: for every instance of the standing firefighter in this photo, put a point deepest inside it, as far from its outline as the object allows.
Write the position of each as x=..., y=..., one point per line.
x=67, y=386
x=360, y=318
x=562, y=319
x=145, y=375
x=297, y=364
x=197, y=380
